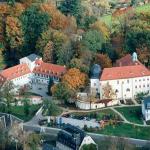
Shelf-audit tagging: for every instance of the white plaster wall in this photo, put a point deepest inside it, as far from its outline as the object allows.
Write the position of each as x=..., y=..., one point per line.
x=86, y=105
x=30, y=64
x=136, y=85
x=22, y=80
x=95, y=85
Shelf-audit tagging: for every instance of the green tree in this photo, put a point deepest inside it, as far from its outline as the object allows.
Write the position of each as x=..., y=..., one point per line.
x=7, y=94
x=11, y=2
x=34, y=22
x=61, y=92
x=26, y=106
x=73, y=8
x=93, y=40
x=51, y=108
x=89, y=147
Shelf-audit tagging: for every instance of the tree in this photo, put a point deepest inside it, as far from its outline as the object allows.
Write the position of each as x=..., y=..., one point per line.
x=7, y=94
x=78, y=63
x=26, y=106
x=33, y=141
x=58, y=21
x=61, y=92
x=14, y=34
x=93, y=40
x=73, y=8
x=74, y=79
x=11, y=2
x=103, y=60
x=89, y=147
x=108, y=92
x=34, y=22
x=63, y=48
x=51, y=107
x=101, y=27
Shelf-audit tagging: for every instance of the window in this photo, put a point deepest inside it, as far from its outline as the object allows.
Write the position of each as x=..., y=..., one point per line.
x=139, y=86
x=127, y=81
x=136, y=86
x=128, y=90
x=147, y=85
x=94, y=84
x=139, y=79
x=135, y=80
x=143, y=85
x=116, y=91
x=148, y=79
x=143, y=79
x=117, y=82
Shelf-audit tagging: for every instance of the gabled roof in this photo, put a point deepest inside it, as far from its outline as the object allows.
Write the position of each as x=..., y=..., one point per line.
x=126, y=61
x=124, y=72
x=15, y=72
x=49, y=69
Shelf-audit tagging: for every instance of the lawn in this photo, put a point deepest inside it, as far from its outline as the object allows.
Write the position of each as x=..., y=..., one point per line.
x=107, y=19
x=132, y=114
x=98, y=115
x=126, y=130
x=18, y=111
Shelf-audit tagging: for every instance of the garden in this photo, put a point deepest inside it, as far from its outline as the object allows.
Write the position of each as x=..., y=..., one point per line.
x=106, y=114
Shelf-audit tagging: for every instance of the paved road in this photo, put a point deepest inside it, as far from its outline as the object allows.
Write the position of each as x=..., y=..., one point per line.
x=96, y=137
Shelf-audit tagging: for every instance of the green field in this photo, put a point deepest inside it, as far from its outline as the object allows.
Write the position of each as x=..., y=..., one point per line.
x=107, y=19
x=132, y=114
x=126, y=130
x=18, y=111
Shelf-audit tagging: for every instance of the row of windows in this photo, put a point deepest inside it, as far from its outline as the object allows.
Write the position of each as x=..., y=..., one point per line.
x=141, y=86
x=135, y=80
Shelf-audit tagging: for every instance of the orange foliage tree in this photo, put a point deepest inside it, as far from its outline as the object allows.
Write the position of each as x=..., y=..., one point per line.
x=59, y=21
x=13, y=32
x=103, y=60
x=74, y=79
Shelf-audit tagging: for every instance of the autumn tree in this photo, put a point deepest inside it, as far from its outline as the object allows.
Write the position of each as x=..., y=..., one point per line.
x=34, y=22
x=103, y=60
x=14, y=34
x=101, y=27
x=74, y=79
x=58, y=21
x=108, y=92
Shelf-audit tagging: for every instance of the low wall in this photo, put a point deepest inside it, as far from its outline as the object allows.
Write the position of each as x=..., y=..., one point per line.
x=87, y=105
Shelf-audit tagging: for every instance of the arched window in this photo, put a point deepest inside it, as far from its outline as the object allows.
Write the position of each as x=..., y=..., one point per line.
x=116, y=91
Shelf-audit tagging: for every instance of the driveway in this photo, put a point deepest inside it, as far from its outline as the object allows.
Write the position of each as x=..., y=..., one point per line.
x=40, y=89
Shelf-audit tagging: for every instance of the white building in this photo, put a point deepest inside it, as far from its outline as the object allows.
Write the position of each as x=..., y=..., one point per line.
x=32, y=70
x=122, y=82
x=125, y=81
x=146, y=108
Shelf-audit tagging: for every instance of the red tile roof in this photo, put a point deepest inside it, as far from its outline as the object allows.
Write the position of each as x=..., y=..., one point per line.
x=15, y=72
x=49, y=69
x=126, y=61
x=124, y=72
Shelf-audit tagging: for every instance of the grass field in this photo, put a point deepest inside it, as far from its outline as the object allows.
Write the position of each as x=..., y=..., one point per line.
x=18, y=111
x=132, y=114
x=108, y=18
x=126, y=130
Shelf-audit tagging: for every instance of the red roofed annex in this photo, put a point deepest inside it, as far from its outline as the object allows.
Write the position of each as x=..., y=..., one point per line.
x=32, y=70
